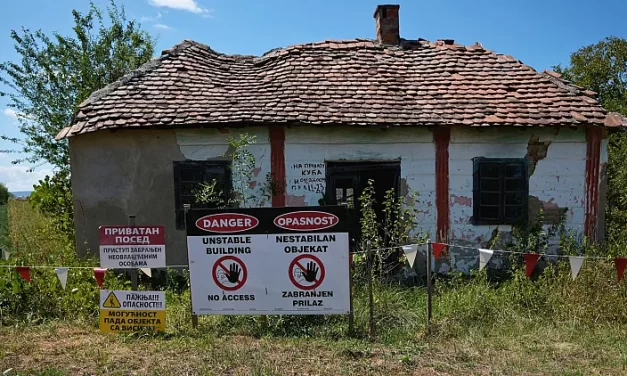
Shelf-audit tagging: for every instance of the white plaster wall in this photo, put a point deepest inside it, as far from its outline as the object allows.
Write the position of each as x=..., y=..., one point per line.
x=558, y=180
x=317, y=145
x=212, y=144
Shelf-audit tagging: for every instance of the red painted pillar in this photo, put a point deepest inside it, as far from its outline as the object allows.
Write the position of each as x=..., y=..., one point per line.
x=277, y=164
x=594, y=136
x=442, y=138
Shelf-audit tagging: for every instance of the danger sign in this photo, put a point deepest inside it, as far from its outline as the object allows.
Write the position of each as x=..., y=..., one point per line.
x=229, y=273
x=269, y=261
x=126, y=247
x=306, y=272
x=132, y=311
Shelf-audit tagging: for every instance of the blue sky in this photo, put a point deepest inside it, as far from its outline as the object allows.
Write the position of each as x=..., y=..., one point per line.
x=539, y=33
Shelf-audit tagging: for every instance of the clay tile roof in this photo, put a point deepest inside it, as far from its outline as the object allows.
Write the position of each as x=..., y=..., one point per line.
x=353, y=82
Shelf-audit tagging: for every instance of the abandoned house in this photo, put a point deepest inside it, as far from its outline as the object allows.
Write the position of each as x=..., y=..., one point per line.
x=484, y=140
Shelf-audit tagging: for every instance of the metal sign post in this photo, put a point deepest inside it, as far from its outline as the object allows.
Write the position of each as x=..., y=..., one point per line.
x=133, y=272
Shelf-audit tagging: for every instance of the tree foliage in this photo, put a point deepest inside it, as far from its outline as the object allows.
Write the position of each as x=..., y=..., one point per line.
x=602, y=67
x=4, y=194
x=54, y=74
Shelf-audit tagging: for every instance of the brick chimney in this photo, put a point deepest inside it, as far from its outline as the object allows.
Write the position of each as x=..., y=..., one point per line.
x=387, y=24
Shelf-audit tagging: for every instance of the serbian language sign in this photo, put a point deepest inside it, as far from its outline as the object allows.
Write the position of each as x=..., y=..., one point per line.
x=269, y=261
x=132, y=311
x=126, y=247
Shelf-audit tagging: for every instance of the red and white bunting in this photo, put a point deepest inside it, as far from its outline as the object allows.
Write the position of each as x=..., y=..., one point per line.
x=99, y=274
x=575, y=265
x=24, y=272
x=484, y=257
x=62, y=274
x=147, y=272
x=621, y=264
x=531, y=259
x=410, y=251
x=437, y=249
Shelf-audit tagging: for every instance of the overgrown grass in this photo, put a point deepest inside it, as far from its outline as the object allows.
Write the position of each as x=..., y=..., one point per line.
x=547, y=325
x=33, y=241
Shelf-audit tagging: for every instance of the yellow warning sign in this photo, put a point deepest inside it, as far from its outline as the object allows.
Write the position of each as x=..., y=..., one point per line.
x=119, y=321
x=111, y=301
x=132, y=311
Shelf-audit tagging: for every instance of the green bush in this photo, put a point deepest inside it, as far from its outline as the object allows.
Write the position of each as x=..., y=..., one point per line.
x=4, y=194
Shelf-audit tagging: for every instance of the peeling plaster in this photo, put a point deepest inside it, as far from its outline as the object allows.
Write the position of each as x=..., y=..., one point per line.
x=461, y=200
x=292, y=200
x=536, y=151
x=553, y=213
x=404, y=187
x=256, y=171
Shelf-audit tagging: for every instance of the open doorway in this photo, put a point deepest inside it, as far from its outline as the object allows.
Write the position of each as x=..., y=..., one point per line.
x=347, y=180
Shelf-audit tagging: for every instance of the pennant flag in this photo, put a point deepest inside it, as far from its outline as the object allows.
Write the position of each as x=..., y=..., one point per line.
x=484, y=257
x=620, y=263
x=437, y=249
x=575, y=265
x=410, y=252
x=99, y=274
x=531, y=259
x=24, y=272
x=147, y=271
x=62, y=275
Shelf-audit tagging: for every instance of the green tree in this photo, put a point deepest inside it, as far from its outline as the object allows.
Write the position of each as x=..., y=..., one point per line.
x=602, y=67
x=55, y=74
x=4, y=194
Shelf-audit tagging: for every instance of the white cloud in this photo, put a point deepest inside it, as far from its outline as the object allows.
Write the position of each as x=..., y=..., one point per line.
x=10, y=113
x=17, y=177
x=188, y=5
x=162, y=27
x=151, y=19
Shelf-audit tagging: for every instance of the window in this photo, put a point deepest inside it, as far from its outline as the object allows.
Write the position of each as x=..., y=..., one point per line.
x=501, y=189
x=189, y=175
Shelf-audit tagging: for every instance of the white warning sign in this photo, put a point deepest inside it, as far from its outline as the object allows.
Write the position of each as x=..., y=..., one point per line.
x=269, y=261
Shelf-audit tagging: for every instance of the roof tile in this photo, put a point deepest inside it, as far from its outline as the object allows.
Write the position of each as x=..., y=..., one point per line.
x=353, y=82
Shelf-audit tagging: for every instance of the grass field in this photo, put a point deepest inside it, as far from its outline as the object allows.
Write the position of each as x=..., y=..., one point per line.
x=549, y=326
x=529, y=348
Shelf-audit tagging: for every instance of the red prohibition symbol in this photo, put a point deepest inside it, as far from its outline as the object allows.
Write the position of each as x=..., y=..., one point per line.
x=306, y=269
x=229, y=270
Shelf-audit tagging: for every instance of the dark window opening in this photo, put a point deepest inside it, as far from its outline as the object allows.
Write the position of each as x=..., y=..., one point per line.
x=347, y=180
x=501, y=191
x=188, y=177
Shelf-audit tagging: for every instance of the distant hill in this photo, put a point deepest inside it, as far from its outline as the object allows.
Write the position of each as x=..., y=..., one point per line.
x=21, y=193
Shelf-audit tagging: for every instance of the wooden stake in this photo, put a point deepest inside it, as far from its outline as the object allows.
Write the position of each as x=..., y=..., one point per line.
x=429, y=289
